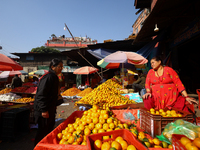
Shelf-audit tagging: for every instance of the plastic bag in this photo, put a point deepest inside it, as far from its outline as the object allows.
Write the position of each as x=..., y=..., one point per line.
x=179, y=127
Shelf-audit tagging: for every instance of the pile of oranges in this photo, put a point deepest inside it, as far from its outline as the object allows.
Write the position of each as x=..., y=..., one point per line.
x=105, y=95
x=85, y=92
x=168, y=113
x=71, y=92
x=93, y=121
x=25, y=100
x=118, y=144
x=6, y=90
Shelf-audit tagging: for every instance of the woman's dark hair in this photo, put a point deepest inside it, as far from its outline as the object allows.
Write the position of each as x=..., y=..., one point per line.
x=54, y=62
x=158, y=58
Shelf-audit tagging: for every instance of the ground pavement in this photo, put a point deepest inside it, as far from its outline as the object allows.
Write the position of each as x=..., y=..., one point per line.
x=64, y=111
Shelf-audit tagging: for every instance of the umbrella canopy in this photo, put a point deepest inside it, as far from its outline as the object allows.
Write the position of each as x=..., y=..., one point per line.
x=123, y=57
x=38, y=72
x=85, y=70
x=7, y=64
x=6, y=74
x=107, y=65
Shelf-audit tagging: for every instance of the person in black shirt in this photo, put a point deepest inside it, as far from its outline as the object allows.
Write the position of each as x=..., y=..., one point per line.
x=46, y=99
x=16, y=82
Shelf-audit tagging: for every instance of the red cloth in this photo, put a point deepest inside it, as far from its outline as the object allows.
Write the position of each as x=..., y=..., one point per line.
x=165, y=89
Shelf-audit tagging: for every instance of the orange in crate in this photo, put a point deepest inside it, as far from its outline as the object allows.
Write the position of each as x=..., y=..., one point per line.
x=124, y=133
x=155, y=124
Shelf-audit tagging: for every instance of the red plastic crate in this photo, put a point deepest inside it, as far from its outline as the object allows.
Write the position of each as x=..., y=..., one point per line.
x=176, y=142
x=50, y=141
x=155, y=124
x=128, y=136
x=198, y=92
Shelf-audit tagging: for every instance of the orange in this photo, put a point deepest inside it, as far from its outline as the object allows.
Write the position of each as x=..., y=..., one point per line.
x=105, y=116
x=84, y=143
x=120, y=126
x=64, y=132
x=95, y=120
x=95, y=107
x=71, y=139
x=62, y=141
x=71, y=129
x=109, y=120
x=91, y=126
x=59, y=135
x=185, y=140
x=106, y=137
x=111, y=125
x=97, y=144
x=109, y=130
x=84, y=123
x=101, y=131
x=119, y=139
x=124, y=144
x=94, y=131
x=68, y=135
x=190, y=146
x=105, y=126
x=102, y=121
x=98, y=126
x=88, y=120
x=116, y=145
x=70, y=125
x=196, y=142
x=79, y=138
x=156, y=141
x=131, y=147
x=64, y=137
x=105, y=146
x=87, y=131
x=81, y=127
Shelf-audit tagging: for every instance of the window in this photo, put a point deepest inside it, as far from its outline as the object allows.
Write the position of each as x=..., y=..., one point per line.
x=31, y=57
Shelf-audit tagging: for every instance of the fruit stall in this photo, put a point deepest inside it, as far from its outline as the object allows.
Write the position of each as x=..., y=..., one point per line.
x=115, y=122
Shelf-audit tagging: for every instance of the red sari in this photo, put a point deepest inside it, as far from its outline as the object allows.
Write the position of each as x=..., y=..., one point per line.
x=165, y=90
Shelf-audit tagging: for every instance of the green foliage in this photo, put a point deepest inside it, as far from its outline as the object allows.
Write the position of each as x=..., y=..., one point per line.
x=43, y=49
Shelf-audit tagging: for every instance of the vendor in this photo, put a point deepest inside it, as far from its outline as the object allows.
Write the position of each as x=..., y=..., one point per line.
x=16, y=82
x=140, y=83
x=164, y=88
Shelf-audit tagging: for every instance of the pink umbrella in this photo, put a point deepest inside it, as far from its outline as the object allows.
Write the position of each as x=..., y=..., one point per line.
x=85, y=70
x=122, y=57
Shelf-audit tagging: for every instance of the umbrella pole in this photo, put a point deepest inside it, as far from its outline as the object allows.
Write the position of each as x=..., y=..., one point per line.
x=102, y=74
x=123, y=75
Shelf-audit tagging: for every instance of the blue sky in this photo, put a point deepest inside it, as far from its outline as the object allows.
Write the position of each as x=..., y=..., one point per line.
x=26, y=24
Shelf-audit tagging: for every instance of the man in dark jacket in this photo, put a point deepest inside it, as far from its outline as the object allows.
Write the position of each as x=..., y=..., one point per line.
x=16, y=82
x=46, y=100
x=140, y=83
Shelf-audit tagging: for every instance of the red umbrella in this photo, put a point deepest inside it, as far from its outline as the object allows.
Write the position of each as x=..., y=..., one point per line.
x=85, y=70
x=7, y=64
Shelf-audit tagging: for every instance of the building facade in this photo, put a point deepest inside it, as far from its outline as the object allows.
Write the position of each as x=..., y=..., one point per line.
x=63, y=43
x=140, y=20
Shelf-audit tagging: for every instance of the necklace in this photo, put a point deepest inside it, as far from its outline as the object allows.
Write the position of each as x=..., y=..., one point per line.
x=160, y=78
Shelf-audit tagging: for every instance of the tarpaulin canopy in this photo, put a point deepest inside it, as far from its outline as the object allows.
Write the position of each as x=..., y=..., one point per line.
x=100, y=53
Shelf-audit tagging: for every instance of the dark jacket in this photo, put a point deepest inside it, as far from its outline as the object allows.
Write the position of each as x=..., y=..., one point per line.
x=141, y=80
x=16, y=82
x=46, y=97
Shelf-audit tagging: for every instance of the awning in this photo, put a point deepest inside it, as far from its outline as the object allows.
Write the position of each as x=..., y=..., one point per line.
x=146, y=50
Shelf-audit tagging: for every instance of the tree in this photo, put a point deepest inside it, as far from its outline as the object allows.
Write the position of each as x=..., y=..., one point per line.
x=43, y=49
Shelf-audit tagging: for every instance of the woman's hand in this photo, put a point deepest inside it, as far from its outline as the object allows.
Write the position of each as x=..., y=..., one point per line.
x=145, y=96
x=45, y=114
x=191, y=100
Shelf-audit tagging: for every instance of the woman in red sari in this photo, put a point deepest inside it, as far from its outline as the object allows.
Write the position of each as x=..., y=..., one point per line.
x=164, y=88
